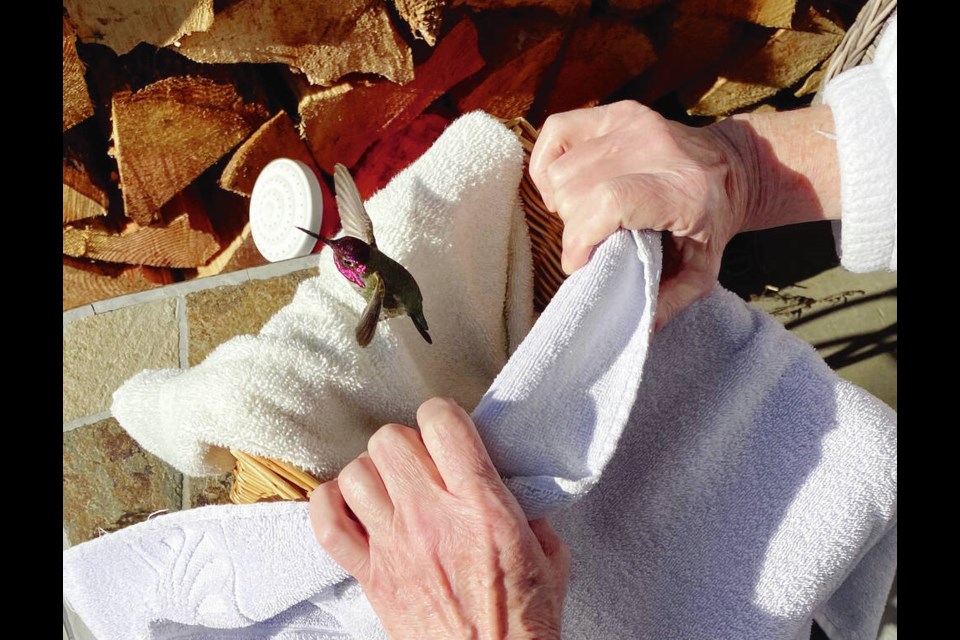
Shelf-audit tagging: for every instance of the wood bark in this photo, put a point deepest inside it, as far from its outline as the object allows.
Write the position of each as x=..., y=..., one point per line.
x=168, y=133
x=603, y=54
x=183, y=238
x=325, y=40
x=277, y=138
x=424, y=17
x=123, y=24
x=341, y=122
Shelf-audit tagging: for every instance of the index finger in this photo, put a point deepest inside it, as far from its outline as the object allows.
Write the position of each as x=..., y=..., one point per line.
x=452, y=440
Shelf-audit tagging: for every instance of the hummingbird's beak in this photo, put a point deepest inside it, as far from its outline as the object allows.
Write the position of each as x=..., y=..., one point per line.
x=314, y=235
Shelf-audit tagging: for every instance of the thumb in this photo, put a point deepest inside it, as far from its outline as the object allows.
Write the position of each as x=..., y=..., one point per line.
x=555, y=549
x=689, y=273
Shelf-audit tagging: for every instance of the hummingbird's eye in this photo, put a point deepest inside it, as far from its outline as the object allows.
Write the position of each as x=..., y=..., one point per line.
x=348, y=262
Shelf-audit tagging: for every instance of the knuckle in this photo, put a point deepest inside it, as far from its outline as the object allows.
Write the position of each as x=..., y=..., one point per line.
x=553, y=121
x=324, y=493
x=329, y=533
x=571, y=237
x=627, y=108
x=564, y=205
x=554, y=173
x=388, y=436
x=610, y=197
x=350, y=475
x=440, y=411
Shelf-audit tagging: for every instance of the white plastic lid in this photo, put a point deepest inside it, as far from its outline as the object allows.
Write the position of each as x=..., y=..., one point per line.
x=285, y=196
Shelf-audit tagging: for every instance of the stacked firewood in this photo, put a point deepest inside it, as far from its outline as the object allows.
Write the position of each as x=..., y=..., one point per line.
x=171, y=109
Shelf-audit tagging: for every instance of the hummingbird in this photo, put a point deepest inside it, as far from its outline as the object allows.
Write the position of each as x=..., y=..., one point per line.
x=390, y=290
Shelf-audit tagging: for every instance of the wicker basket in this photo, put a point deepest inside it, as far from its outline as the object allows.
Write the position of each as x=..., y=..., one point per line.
x=258, y=479
x=859, y=42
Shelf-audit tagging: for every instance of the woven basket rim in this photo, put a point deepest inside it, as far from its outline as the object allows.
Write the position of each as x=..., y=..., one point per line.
x=859, y=42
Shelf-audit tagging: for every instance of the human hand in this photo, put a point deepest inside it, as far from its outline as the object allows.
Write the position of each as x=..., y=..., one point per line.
x=438, y=544
x=624, y=165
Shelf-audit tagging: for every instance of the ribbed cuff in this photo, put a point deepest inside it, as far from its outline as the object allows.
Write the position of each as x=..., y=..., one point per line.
x=866, y=126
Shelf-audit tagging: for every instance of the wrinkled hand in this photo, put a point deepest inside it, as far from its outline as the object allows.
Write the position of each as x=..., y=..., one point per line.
x=439, y=545
x=624, y=165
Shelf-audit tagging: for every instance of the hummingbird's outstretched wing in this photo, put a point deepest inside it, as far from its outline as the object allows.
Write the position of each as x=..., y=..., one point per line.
x=371, y=315
x=353, y=216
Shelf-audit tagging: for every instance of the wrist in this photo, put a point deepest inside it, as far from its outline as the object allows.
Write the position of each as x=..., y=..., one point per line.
x=786, y=165
x=743, y=180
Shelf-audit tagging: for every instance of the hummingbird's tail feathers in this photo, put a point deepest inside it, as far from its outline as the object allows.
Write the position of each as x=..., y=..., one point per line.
x=420, y=323
x=365, y=334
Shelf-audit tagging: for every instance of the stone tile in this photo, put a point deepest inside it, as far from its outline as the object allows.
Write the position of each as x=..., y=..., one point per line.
x=852, y=321
x=101, y=352
x=216, y=315
x=109, y=482
x=201, y=492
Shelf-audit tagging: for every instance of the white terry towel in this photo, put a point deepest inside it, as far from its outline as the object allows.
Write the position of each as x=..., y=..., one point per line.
x=302, y=390
x=739, y=489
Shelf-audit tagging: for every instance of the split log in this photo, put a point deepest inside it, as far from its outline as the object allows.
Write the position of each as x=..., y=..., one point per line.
x=230, y=218
x=696, y=43
x=341, y=122
x=277, y=138
x=522, y=52
x=325, y=40
x=424, y=17
x=85, y=183
x=168, y=133
x=602, y=56
x=782, y=61
x=77, y=105
x=183, y=238
x=811, y=84
x=560, y=7
x=769, y=13
x=123, y=24
x=634, y=5
x=85, y=281
x=387, y=157
x=241, y=253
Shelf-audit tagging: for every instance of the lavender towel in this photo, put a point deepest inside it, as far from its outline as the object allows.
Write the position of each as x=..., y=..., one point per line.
x=717, y=481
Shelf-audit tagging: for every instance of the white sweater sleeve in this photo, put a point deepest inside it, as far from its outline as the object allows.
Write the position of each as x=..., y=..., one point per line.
x=864, y=104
